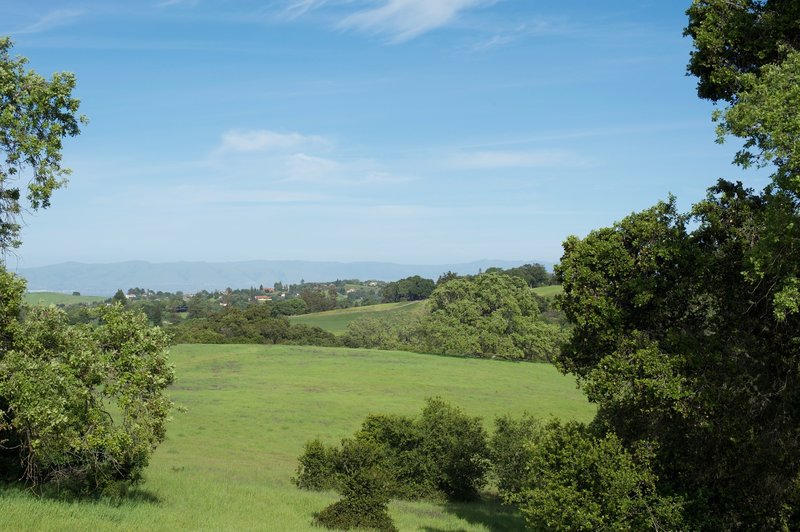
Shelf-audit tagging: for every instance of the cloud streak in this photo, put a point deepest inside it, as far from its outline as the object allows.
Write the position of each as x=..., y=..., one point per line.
x=294, y=158
x=53, y=19
x=263, y=140
x=298, y=8
x=403, y=20
x=488, y=159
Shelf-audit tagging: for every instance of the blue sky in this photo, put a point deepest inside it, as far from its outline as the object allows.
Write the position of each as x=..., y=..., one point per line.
x=412, y=131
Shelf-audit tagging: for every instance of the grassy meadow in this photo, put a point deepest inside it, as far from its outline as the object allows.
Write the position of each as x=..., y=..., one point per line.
x=548, y=291
x=229, y=457
x=57, y=298
x=336, y=321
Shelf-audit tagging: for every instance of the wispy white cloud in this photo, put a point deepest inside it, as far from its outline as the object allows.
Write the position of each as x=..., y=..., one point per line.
x=403, y=20
x=169, y=3
x=532, y=28
x=486, y=159
x=294, y=158
x=605, y=131
x=263, y=140
x=496, y=41
x=210, y=194
x=308, y=168
x=53, y=19
x=304, y=168
x=298, y=8
x=399, y=20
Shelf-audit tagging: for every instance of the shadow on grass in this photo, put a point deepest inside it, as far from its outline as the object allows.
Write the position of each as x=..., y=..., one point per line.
x=118, y=497
x=487, y=512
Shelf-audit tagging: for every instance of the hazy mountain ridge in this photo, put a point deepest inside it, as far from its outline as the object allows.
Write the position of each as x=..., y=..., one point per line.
x=105, y=279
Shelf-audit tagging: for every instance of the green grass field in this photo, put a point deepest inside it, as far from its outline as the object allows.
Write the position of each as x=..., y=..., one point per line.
x=548, y=291
x=228, y=459
x=336, y=321
x=56, y=298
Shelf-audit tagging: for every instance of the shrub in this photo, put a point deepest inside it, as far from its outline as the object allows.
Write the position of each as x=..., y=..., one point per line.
x=365, y=498
x=404, y=462
x=57, y=383
x=579, y=480
x=454, y=446
x=317, y=468
x=509, y=449
x=443, y=452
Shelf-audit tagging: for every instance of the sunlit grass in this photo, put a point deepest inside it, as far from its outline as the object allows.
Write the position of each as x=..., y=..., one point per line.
x=549, y=291
x=228, y=460
x=56, y=298
x=336, y=321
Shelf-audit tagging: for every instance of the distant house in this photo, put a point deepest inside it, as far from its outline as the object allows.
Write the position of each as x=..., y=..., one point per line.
x=263, y=299
x=268, y=290
x=130, y=296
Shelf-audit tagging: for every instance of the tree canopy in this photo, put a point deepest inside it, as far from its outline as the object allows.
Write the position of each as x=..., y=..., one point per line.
x=686, y=324
x=35, y=116
x=81, y=407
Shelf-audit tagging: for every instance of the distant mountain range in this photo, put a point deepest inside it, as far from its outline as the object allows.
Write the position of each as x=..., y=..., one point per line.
x=105, y=279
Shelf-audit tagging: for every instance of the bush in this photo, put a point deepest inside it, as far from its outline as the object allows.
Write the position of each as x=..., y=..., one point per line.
x=443, y=452
x=57, y=383
x=404, y=462
x=579, y=480
x=454, y=446
x=317, y=468
x=365, y=497
x=510, y=452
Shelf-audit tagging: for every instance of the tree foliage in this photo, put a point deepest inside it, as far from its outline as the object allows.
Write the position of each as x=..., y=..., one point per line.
x=83, y=406
x=365, y=497
x=534, y=275
x=414, y=288
x=579, y=481
x=678, y=347
x=489, y=314
x=443, y=452
x=35, y=116
x=734, y=38
x=686, y=325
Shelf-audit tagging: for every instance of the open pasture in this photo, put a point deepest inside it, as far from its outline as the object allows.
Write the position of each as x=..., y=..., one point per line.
x=57, y=298
x=229, y=457
x=548, y=291
x=336, y=321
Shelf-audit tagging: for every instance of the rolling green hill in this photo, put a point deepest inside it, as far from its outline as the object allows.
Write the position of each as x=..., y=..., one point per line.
x=57, y=298
x=336, y=321
x=228, y=458
x=548, y=291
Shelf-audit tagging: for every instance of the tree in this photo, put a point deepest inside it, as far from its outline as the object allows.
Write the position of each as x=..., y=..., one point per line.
x=60, y=384
x=579, y=481
x=686, y=325
x=119, y=297
x=58, y=381
x=733, y=38
x=414, y=288
x=489, y=314
x=679, y=348
x=35, y=116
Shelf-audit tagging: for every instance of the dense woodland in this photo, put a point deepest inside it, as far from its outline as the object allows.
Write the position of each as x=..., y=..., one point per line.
x=683, y=330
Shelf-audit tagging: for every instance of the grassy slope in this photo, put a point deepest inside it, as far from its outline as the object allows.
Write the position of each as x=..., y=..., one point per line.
x=336, y=321
x=548, y=291
x=55, y=298
x=228, y=459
